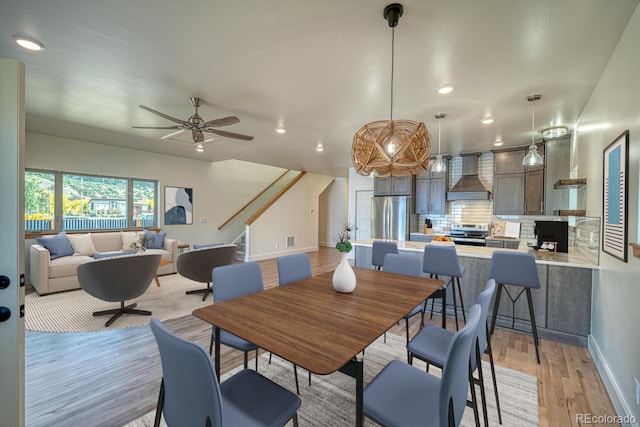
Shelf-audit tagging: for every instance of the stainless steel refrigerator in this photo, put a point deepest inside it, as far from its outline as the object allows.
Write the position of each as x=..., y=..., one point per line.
x=390, y=217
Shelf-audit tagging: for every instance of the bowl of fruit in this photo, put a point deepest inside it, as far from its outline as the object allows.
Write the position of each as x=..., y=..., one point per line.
x=442, y=241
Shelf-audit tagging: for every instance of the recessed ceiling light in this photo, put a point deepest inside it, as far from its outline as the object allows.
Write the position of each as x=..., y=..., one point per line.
x=319, y=147
x=280, y=129
x=445, y=89
x=487, y=120
x=199, y=148
x=27, y=42
x=498, y=143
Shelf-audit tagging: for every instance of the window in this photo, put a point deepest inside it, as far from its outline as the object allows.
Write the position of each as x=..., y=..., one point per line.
x=85, y=202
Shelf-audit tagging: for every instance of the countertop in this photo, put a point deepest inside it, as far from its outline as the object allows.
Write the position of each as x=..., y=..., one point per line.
x=575, y=257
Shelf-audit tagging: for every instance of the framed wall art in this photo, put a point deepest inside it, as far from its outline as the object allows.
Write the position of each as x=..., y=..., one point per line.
x=178, y=205
x=615, y=197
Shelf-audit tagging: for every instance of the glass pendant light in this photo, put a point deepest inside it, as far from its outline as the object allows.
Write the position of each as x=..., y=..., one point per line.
x=533, y=158
x=439, y=165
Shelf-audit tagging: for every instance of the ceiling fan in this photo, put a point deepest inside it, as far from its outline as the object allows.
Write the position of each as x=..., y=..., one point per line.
x=197, y=125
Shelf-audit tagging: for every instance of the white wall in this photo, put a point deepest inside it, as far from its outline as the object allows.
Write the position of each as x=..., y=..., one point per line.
x=615, y=106
x=333, y=207
x=294, y=214
x=219, y=189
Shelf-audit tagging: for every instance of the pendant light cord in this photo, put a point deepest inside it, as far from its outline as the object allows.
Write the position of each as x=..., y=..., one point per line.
x=533, y=121
x=439, y=136
x=393, y=37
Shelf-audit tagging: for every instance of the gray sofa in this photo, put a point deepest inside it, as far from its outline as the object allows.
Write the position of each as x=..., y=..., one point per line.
x=60, y=274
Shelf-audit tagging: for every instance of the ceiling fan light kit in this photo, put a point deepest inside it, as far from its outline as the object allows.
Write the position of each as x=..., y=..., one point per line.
x=391, y=147
x=196, y=125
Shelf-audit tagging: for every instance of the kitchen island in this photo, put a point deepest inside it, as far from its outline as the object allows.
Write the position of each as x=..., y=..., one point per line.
x=562, y=304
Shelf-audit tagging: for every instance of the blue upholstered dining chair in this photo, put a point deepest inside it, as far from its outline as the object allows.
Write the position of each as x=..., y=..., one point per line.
x=190, y=394
x=443, y=261
x=516, y=269
x=290, y=269
x=412, y=266
x=379, y=250
x=233, y=281
x=403, y=395
x=430, y=344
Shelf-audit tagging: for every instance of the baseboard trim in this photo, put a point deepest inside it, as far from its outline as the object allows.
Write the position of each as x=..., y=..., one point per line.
x=619, y=404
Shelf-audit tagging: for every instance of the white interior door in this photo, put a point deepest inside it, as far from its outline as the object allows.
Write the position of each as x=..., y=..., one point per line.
x=363, y=214
x=12, y=248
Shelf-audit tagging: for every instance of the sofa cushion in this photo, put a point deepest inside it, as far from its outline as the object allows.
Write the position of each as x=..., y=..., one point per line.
x=129, y=239
x=100, y=255
x=82, y=244
x=58, y=245
x=154, y=240
x=67, y=265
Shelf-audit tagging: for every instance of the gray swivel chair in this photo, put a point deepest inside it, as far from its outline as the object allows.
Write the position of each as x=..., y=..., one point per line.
x=197, y=264
x=410, y=265
x=234, y=281
x=516, y=269
x=443, y=261
x=379, y=249
x=430, y=344
x=190, y=394
x=402, y=394
x=119, y=279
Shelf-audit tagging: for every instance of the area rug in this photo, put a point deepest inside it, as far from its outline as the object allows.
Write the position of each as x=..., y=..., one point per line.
x=72, y=311
x=330, y=401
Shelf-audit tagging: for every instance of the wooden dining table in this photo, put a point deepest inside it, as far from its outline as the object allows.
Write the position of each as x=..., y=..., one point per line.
x=310, y=324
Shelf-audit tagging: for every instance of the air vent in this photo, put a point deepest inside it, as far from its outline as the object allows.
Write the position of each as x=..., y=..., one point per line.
x=290, y=242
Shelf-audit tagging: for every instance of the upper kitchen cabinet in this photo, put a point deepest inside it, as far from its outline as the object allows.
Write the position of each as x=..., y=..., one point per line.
x=517, y=190
x=392, y=186
x=431, y=191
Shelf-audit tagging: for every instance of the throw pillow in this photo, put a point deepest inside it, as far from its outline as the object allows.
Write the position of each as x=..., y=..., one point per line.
x=58, y=245
x=101, y=255
x=82, y=244
x=206, y=245
x=129, y=238
x=154, y=240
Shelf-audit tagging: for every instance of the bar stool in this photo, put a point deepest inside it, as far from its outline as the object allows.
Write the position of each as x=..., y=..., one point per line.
x=515, y=269
x=443, y=261
x=379, y=250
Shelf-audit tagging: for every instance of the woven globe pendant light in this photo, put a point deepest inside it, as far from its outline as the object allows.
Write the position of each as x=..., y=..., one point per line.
x=391, y=147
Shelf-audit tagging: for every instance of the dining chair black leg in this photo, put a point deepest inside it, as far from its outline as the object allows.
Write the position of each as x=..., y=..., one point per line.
x=474, y=398
x=295, y=374
x=160, y=405
x=483, y=394
x=295, y=420
x=270, y=354
x=246, y=360
x=489, y=351
x=455, y=303
x=309, y=378
x=533, y=323
x=257, y=360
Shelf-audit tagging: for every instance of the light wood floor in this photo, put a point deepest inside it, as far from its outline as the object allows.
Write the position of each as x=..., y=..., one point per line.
x=61, y=389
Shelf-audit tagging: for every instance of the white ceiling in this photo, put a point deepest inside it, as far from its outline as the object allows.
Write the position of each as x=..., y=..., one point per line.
x=321, y=69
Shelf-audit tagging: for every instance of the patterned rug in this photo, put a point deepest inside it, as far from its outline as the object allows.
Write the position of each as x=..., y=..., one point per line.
x=330, y=401
x=72, y=311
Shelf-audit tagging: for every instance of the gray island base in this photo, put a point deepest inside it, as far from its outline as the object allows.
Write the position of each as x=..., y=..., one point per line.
x=562, y=305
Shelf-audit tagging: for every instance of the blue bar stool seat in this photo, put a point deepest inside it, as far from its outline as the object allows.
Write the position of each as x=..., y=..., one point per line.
x=515, y=269
x=443, y=261
x=379, y=250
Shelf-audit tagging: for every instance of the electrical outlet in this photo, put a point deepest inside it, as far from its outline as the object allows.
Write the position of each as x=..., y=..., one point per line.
x=203, y=220
x=637, y=391
x=277, y=245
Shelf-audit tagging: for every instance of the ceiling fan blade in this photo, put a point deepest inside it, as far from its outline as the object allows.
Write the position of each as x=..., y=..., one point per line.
x=198, y=136
x=230, y=134
x=173, y=119
x=225, y=121
x=158, y=127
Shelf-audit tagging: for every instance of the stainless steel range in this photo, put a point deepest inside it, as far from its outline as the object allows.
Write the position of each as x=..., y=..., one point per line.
x=469, y=234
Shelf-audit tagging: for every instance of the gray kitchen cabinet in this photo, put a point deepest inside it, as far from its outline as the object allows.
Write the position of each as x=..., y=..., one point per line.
x=508, y=161
x=534, y=192
x=392, y=186
x=508, y=194
x=502, y=243
x=431, y=191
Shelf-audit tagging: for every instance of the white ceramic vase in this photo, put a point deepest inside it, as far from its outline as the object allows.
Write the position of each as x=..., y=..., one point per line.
x=344, y=278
